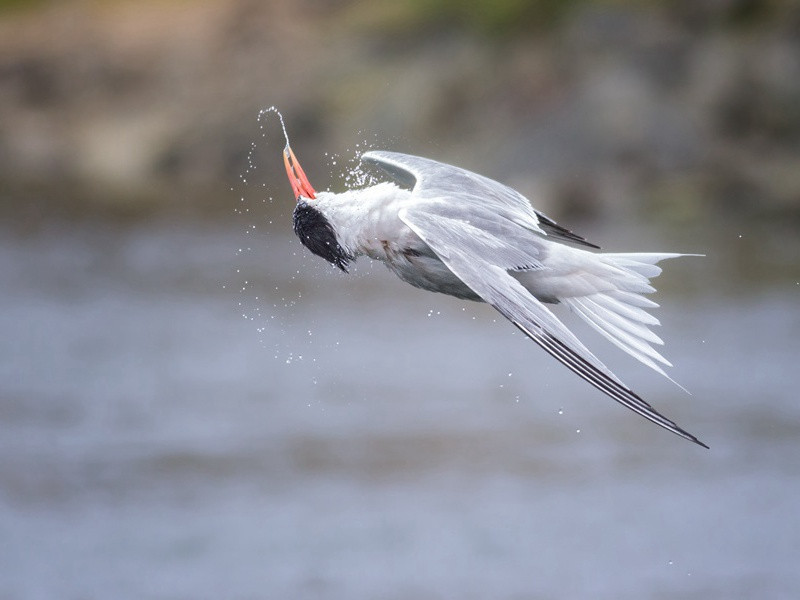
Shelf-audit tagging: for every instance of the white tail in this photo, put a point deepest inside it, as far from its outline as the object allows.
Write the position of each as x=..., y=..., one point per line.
x=620, y=314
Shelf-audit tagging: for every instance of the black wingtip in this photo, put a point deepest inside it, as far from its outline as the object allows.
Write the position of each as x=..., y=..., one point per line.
x=557, y=231
x=616, y=390
x=673, y=427
x=685, y=434
x=691, y=438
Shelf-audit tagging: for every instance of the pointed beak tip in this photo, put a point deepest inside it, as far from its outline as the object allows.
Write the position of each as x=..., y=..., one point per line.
x=297, y=177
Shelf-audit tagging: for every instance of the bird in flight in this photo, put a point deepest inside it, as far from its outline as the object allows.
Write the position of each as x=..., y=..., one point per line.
x=445, y=229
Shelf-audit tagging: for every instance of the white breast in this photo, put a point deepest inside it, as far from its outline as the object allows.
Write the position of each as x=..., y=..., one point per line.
x=366, y=222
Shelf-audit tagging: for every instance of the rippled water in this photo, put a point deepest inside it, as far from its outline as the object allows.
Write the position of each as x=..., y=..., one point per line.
x=167, y=435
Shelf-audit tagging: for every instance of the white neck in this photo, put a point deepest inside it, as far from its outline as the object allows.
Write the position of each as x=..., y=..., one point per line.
x=362, y=218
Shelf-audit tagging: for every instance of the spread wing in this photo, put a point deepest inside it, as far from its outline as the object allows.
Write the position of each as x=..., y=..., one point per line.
x=431, y=179
x=482, y=230
x=482, y=261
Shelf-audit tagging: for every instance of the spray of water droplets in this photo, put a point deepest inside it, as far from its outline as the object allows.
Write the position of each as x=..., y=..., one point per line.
x=258, y=299
x=266, y=278
x=350, y=171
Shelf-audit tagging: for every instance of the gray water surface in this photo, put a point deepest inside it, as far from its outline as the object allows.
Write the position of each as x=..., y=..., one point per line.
x=166, y=434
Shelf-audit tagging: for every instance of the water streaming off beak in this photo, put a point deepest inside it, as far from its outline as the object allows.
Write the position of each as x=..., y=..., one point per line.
x=297, y=177
x=280, y=116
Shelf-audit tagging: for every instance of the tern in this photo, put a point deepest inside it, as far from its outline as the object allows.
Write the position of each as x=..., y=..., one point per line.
x=445, y=229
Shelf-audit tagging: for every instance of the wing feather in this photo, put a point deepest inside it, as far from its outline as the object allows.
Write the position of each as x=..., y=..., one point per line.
x=482, y=262
x=431, y=179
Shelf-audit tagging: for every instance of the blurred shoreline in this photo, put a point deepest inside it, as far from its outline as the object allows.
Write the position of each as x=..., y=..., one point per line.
x=685, y=110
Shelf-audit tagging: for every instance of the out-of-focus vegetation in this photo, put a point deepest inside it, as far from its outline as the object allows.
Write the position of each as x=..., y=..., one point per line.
x=6, y=5
x=496, y=19
x=687, y=110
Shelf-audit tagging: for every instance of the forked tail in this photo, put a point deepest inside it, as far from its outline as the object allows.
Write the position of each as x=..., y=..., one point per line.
x=621, y=314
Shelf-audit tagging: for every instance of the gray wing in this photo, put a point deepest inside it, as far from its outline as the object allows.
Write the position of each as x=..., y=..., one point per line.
x=482, y=263
x=430, y=179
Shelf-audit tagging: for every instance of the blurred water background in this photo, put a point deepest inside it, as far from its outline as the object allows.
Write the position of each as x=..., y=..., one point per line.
x=191, y=406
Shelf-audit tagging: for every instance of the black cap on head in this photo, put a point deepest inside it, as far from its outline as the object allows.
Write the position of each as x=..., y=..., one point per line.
x=317, y=234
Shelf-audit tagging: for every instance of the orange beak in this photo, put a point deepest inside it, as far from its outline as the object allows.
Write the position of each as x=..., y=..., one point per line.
x=297, y=177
